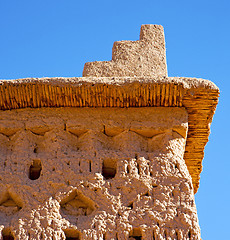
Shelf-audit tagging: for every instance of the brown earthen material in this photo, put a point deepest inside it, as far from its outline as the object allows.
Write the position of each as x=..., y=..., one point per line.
x=114, y=155
x=145, y=57
x=198, y=96
x=103, y=173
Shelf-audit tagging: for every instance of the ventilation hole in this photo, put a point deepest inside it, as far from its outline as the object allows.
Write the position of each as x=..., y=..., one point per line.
x=109, y=168
x=136, y=156
x=192, y=203
x=72, y=234
x=68, y=163
x=147, y=194
x=138, y=168
x=8, y=237
x=90, y=166
x=135, y=234
x=131, y=205
x=6, y=234
x=79, y=163
x=127, y=169
x=155, y=185
x=189, y=235
x=35, y=170
x=165, y=234
x=53, y=169
x=64, y=126
x=151, y=174
x=154, y=235
x=104, y=236
x=177, y=212
x=177, y=237
x=116, y=237
x=35, y=150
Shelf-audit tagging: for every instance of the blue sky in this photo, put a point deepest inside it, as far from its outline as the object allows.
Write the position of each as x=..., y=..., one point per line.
x=48, y=38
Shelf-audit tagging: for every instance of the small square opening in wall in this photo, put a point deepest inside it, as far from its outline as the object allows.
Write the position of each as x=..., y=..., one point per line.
x=72, y=234
x=135, y=234
x=35, y=170
x=6, y=234
x=109, y=168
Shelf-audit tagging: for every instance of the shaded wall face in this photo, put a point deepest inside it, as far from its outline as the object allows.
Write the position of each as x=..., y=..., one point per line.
x=95, y=173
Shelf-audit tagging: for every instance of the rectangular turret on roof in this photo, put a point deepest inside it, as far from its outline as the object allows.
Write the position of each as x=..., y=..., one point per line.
x=143, y=58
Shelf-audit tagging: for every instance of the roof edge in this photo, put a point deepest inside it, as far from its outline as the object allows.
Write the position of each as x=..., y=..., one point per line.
x=187, y=82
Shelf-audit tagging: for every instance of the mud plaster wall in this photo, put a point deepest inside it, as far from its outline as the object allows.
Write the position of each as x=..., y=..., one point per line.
x=95, y=173
x=145, y=57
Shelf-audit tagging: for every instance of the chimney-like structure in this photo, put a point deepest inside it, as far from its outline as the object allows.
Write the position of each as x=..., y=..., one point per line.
x=143, y=58
x=116, y=154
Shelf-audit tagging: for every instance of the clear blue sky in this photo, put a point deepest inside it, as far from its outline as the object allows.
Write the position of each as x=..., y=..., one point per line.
x=48, y=38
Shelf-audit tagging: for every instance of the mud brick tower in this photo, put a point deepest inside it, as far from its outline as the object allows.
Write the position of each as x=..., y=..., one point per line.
x=115, y=154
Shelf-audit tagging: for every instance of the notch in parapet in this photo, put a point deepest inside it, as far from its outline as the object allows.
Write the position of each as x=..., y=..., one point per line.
x=143, y=58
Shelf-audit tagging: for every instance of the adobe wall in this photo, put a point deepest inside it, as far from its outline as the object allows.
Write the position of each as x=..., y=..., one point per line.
x=96, y=173
x=144, y=58
x=116, y=154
